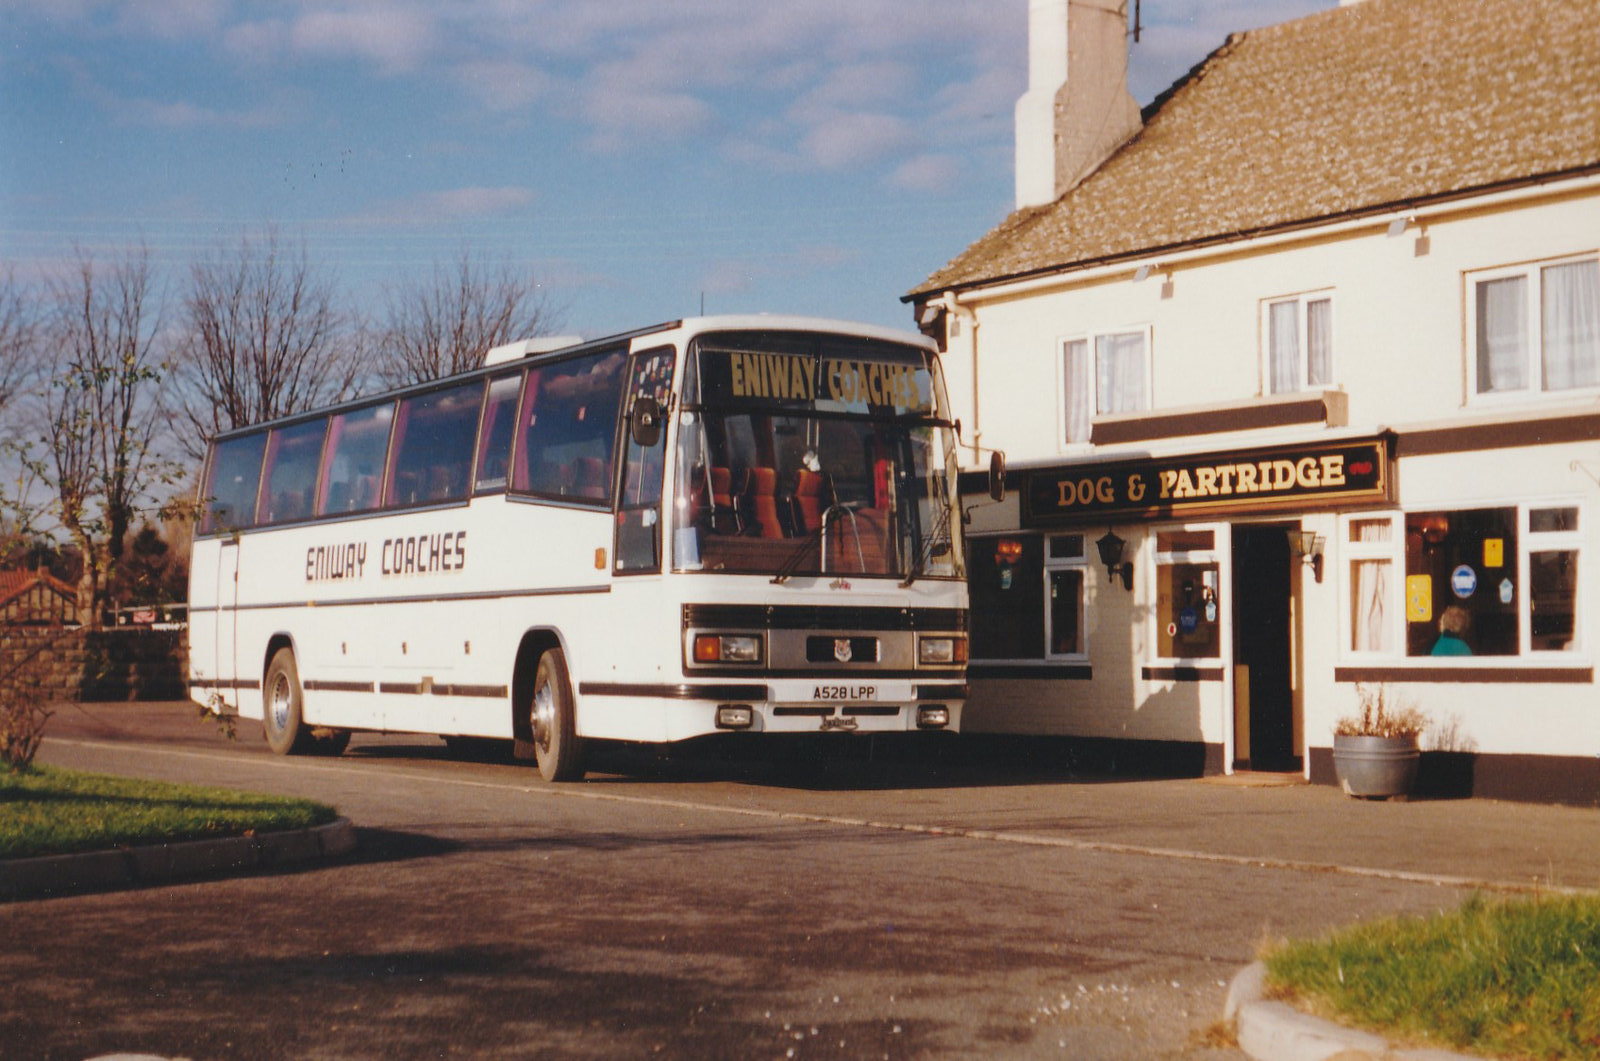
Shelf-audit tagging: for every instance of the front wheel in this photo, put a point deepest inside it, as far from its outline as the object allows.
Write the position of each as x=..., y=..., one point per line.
x=282, y=722
x=556, y=743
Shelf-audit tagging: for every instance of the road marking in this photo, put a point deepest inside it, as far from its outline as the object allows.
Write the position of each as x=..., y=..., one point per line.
x=956, y=832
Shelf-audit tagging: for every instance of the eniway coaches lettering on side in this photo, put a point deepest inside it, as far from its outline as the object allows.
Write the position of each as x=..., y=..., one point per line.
x=420, y=554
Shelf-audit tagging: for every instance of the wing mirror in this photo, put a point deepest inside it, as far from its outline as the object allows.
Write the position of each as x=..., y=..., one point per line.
x=644, y=425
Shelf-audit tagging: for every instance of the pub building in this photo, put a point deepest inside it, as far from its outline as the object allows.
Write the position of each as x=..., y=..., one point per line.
x=1297, y=371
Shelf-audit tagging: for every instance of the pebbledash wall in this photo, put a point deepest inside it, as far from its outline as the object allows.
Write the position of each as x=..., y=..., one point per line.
x=67, y=664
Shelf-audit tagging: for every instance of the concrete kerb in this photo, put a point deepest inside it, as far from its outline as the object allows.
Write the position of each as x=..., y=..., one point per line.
x=1274, y=1031
x=36, y=878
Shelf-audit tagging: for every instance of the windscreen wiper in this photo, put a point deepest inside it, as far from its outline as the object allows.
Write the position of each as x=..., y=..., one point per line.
x=802, y=550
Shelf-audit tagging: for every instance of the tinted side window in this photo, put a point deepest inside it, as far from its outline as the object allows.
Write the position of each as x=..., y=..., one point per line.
x=234, y=474
x=352, y=466
x=494, y=434
x=434, y=436
x=290, y=476
x=568, y=428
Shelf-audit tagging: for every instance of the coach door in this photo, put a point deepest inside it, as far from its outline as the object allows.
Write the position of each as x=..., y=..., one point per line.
x=225, y=642
x=649, y=397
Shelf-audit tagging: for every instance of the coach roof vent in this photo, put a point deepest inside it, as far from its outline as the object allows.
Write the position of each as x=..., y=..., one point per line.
x=524, y=347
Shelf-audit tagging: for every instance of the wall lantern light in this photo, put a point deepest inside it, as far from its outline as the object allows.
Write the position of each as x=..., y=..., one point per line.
x=1110, y=548
x=1307, y=545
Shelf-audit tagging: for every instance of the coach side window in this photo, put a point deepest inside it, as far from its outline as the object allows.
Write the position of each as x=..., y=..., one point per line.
x=352, y=465
x=494, y=435
x=290, y=476
x=568, y=429
x=229, y=496
x=434, y=436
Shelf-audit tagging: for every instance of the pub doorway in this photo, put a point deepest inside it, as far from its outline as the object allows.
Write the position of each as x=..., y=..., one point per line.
x=1263, y=649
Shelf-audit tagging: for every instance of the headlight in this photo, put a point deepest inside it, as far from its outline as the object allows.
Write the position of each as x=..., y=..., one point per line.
x=934, y=651
x=727, y=648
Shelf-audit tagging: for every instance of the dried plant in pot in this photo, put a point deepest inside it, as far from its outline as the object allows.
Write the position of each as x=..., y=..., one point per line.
x=1375, y=751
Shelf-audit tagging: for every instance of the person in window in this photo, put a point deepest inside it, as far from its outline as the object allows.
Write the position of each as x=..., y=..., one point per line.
x=1454, y=623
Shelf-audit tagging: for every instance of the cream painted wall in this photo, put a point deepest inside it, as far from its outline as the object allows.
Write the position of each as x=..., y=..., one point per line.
x=1399, y=320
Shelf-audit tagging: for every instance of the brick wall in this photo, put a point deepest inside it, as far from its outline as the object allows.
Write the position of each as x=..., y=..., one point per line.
x=117, y=664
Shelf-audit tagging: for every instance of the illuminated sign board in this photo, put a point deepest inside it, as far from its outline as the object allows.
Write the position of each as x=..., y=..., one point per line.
x=1296, y=477
x=840, y=376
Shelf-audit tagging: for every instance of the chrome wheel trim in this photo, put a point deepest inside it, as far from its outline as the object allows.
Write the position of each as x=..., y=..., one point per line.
x=281, y=698
x=544, y=715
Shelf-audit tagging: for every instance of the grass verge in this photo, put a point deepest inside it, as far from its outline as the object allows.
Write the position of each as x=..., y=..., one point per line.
x=46, y=811
x=1516, y=978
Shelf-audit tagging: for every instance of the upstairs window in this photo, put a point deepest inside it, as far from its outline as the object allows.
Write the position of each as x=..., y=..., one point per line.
x=1104, y=373
x=1299, y=343
x=1535, y=329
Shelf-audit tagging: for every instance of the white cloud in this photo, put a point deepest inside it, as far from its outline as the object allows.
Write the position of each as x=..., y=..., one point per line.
x=926, y=173
x=396, y=39
x=846, y=140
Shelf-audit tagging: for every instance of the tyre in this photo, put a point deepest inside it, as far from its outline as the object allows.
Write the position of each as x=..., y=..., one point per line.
x=281, y=720
x=556, y=743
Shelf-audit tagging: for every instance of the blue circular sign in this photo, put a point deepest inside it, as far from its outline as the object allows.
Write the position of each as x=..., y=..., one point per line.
x=1464, y=581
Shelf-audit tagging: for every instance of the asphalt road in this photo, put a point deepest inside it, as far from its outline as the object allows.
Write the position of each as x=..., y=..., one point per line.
x=837, y=907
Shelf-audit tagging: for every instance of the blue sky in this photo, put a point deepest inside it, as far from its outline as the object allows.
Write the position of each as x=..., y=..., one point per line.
x=814, y=156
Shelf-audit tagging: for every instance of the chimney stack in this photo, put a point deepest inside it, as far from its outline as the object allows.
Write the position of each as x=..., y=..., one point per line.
x=1077, y=109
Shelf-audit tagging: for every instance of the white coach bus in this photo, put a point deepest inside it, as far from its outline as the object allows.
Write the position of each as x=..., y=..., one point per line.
x=715, y=525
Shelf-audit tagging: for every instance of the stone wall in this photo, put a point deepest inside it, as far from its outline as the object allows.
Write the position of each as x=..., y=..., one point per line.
x=115, y=664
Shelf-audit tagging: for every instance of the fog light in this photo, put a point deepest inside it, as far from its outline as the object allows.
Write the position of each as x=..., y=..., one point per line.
x=727, y=648
x=933, y=651
x=933, y=716
x=734, y=716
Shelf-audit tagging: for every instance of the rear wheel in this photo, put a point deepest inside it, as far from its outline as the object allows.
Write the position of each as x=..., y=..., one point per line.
x=281, y=721
x=556, y=743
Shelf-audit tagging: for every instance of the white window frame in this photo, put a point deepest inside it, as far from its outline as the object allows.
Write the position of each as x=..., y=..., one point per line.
x=1220, y=552
x=1092, y=391
x=1528, y=542
x=1392, y=551
x=1533, y=367
x=1302, y=369
x=1079, y=563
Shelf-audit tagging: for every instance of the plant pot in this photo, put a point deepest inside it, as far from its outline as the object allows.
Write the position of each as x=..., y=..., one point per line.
x=1375, y=767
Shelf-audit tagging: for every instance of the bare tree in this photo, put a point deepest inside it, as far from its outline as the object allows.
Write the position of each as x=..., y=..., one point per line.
x=101, y=414
x=437, y=328
x=262, y=338
x=19, y=325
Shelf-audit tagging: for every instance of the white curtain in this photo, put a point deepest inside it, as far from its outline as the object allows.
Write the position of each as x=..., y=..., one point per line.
x=1319, y=343
x=1283, y=346
x=1571, y=325
x=1119, y=373
x=1502, y=334
x=1369, y=589
x=1075, y=366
